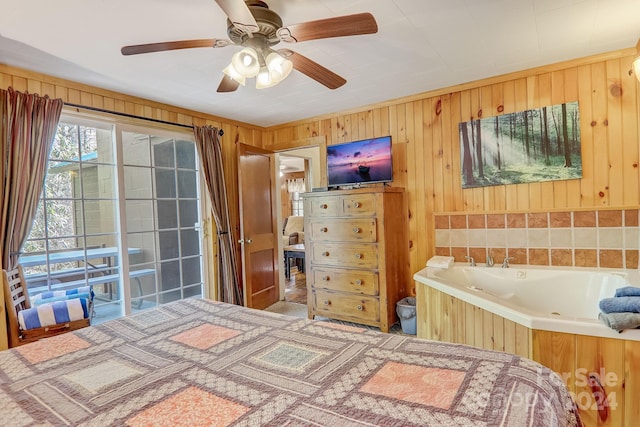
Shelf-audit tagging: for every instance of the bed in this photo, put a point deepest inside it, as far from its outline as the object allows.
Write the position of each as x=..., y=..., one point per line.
x=199, y=362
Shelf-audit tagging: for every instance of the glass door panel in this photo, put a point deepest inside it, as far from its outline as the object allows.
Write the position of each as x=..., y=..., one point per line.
x=163, y=213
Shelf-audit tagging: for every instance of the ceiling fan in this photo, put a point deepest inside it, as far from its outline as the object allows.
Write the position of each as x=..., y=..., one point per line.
x=254, y=26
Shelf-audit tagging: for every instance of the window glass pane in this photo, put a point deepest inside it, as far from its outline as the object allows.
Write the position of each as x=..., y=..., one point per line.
x=135, y=149
x=167, y=214
x=168, y=241
x=38, y=228
x=163, y=152
x=54, y=245
x=60, y=179
x=143, y=286
x=60, y=217
x=188, y=213
x=146, y=242
x=99, y=181
x=137, y=182
x=170, y=297
x=186, y=154
x=191, y=271
x=187, y=187
x=99, y=216
x=100, y=149
x=169, y=275
x=189, y=242
x=65, y=145
x=165, y=183
x=34, y=246
x=140, y=215
x=192, y=291
x=87, y=137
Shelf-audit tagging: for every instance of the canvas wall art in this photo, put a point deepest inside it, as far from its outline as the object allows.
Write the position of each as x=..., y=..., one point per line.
x=535, y=145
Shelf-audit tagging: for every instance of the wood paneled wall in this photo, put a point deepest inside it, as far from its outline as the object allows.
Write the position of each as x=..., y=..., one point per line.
x=424, y=128
x=79, y=94
x=426, y=150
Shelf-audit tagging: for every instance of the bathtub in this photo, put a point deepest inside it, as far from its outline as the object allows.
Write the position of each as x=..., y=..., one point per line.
x=553, y=299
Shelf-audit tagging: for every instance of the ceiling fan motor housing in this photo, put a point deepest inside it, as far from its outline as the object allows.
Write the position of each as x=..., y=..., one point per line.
x=268, y=21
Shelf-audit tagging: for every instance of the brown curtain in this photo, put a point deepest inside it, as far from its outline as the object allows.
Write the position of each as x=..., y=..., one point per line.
x=210, y=152
x=27, y=131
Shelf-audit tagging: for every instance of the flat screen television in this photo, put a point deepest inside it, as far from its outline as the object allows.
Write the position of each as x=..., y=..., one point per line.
x=359, y=162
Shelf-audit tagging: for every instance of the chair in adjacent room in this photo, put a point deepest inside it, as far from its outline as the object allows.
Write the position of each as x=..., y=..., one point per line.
x=51, y=313
x=293, y=230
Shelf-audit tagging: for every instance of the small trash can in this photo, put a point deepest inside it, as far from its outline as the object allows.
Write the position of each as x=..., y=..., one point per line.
x=406, y=310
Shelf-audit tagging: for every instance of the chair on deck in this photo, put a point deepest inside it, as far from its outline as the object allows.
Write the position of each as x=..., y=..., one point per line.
x=52, y=313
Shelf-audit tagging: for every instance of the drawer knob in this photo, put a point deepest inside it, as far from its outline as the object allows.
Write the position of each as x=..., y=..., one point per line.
x=323, y=206
x=325, y=278
x=325, y=253
x=327, y=302
x=359, y=307
x=356, y=230
x=358, y=256
x=358, y=282
x=356, y=204
x=324, y=229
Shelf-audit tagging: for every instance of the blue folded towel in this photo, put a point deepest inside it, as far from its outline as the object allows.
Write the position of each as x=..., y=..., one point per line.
x=620, y=305
x=628, y=291
x=620, y=321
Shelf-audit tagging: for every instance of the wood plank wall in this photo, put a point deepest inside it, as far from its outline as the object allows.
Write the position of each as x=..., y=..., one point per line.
x=424, y=128
x=426, y=151
x=79, y=94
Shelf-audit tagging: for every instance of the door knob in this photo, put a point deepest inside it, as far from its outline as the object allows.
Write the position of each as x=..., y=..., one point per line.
x=249, y=240
x=241, y=241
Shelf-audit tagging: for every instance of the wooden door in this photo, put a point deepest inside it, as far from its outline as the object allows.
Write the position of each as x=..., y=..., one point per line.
x=258, y=228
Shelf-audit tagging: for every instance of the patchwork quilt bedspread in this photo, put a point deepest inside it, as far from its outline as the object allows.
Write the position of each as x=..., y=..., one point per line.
x=197, y=362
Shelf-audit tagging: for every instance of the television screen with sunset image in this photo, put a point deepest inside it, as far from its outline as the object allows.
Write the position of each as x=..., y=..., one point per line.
x=359, y=162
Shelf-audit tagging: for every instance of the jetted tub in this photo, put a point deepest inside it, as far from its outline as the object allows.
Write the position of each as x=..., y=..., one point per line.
x=558, y=299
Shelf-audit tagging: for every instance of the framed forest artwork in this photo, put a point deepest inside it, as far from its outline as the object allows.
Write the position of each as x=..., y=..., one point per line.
x=536, y=145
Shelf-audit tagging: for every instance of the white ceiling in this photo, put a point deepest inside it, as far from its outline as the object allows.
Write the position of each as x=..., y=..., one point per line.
x=421, y=45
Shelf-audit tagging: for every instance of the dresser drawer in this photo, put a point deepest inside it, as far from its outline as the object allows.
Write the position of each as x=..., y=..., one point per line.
x=357, y=281
x=346, y=230
x=359, y=255
x=325, y=206
x=333, y=304
x=359, y=205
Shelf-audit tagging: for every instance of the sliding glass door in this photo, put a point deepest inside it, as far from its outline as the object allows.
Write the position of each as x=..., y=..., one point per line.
x=120, y=210
x=162, y=210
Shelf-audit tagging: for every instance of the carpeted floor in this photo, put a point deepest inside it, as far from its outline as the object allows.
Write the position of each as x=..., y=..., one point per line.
x=300, y=310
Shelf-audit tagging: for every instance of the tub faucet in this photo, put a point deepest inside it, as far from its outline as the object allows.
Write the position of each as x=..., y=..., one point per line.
x=505, y=263
x=489, y=260
x=472, y=262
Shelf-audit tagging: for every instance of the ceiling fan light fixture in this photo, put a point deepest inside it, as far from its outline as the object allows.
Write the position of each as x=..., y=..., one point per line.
x=246, y=62
x=234, y=74
x=279, y=67
x=265, y=79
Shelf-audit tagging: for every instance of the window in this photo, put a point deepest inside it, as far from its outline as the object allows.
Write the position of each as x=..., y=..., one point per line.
x=296, y=204
x=118, y=200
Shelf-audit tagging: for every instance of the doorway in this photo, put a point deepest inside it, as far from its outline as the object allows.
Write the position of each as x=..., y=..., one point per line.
x=298, y=172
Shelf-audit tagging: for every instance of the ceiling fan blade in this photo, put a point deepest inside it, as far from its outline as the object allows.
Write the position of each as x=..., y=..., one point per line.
x=350, y=25
x=239, y=15
x=182, y=44
x=314, y=70
x=227, y=84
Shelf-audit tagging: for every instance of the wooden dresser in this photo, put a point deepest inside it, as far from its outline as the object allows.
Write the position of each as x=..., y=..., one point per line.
x=356, y=245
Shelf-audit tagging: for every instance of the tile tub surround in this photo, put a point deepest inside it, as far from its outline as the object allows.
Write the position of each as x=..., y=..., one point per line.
x=587, y=238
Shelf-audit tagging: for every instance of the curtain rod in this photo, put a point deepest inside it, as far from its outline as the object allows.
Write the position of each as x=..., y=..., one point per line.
x=133, y=116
